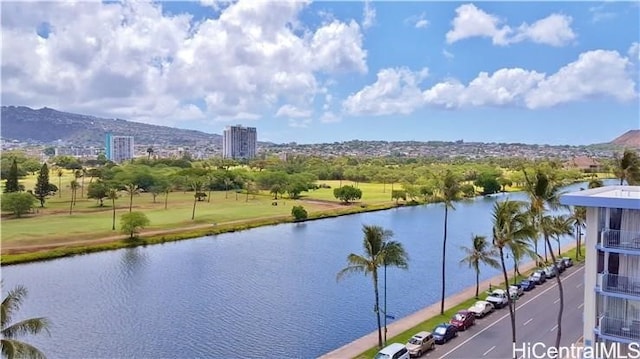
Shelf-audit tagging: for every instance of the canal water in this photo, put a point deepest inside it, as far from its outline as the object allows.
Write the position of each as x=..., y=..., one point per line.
x=264, y=292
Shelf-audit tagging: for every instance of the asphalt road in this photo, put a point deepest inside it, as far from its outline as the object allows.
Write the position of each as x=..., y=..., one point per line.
x=536, y=318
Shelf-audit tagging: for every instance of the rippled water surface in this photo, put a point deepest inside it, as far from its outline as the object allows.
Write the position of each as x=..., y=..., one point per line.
x=265, y=292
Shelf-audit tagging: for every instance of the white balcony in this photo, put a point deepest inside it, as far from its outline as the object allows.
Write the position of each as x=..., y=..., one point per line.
x=611, y=238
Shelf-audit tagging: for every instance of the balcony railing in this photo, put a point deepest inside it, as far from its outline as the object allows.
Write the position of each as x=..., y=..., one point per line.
x=624, y=328
x=611, y=238
x=619, y=284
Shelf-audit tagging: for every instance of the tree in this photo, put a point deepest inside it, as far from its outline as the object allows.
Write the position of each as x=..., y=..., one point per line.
x=563, y=226
x=595, y=183
x=449, y=191
x=42, y=189
x=627, y=167
x=98, y=190
x=11, y=347
x=12, y=184
x=18, y=203
x=347, y=193
x=578, y=218
x=132, y=222
x=113, y=195
x=60, y=172
x=398, y=194
x=511, y=229
x=131, y=190
x=299, y=213
x=379, y=251
x=149, y=152
x=74, y=190
x=197, y=189
x=488, y=183
x=477, y=254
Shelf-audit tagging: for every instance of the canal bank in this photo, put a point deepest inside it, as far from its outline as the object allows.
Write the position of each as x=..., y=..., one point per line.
x=362, y=344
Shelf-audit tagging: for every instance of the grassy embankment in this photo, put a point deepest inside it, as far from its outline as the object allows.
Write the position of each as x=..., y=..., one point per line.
x=431, y=323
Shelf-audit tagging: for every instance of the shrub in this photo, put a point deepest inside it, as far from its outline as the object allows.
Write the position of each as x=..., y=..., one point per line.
x=299, y=213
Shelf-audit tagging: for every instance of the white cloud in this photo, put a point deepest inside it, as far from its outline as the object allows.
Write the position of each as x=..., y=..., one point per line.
x=299, y=123
x=368, y=15
x=292, y=112
x=395, y=91
x=554, y=30
x=599, y=13
x=132, y=61
x=471, y=22
x=447, y=54
x=634, y=51
x=418, y=21
x=329, y=117
x=594, y=75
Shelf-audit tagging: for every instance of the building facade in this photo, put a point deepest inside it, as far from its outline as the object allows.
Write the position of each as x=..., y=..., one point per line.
x=239, y=142
x=118, y=148
x=612, y=264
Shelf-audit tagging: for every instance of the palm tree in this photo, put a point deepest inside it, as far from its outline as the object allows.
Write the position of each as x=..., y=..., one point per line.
x=477, y=254
x=11, y=347
x=227, y=182
x=113, y=195
x=60, y=173
x=511, y=229
x=74, y=189
x=378, y=251
x=578, y=218
x=149, y=152
x=563, y=226
x=131, y=190
x=197, y=188
x=628, y=167
x=449, y=191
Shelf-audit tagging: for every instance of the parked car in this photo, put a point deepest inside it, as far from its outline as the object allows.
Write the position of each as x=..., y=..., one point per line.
x=568, y=262
x=420, y=343
x=527, y=285
x=393, y=351
x=463, y=320
x=538, y=277
x=444, y=332
x=560, y=265
x=498, y=298
x=481, y=308
x=550, y=271
x=515, y=291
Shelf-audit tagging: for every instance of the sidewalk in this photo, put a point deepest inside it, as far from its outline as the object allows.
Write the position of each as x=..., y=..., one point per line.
x=370, y=340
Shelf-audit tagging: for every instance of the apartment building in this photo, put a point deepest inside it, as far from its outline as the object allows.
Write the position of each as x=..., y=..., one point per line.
x=612, y=266
x=119, y=148
x=239, y=142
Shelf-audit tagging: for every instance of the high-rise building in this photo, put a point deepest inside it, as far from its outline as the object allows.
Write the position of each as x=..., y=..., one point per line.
x=239, y=142
x=118, y=148
x=612, y=265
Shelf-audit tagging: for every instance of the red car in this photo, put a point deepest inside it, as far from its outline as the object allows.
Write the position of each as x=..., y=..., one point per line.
x=463, y=320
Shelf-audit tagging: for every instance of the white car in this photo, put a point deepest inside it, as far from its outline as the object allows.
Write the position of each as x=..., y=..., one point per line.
x=515, y=291
x=498, y=298
x=481, y=308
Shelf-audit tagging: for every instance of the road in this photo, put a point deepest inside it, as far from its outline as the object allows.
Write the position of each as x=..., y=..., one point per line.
x=536, y=318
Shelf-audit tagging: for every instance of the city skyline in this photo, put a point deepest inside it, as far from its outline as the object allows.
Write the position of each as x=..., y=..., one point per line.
x=335, y=71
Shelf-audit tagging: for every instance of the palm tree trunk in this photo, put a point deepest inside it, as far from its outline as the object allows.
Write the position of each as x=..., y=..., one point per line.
x=377, y=307
x=560, y=292
x=59, y=186
x=166, y=198
x=71, y=206
x=193, y=213
x=113, y=222
x=511, y=312
x=444, y=254
x=209, y=198
x=131, y=201
x=477, y=281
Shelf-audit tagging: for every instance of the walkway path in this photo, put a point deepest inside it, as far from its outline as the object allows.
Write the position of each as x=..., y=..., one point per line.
x=363, y=344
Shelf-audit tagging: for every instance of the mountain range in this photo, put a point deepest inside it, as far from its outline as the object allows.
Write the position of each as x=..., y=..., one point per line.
x=49, y=126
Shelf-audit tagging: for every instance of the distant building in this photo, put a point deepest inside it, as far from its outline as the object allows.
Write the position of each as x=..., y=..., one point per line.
x=239, y=142
x=118, y=148
x=583, y=163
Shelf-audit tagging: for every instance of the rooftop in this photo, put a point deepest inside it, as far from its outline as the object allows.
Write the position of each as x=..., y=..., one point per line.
x=627, y=197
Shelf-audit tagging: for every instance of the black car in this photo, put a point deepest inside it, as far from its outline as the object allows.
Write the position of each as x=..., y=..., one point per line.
x=568, y=262
x=527, y=285
x=560, y=265
x=444, y=332
x=538, y=276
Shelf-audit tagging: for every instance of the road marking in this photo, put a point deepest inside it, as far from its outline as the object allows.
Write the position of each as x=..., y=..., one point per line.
x=528, y=321
x=521, y=356
x=581, y=305
x=579, y=285
x=487, y=352
x=556, y=301
x=506, y=315
x=554, y=328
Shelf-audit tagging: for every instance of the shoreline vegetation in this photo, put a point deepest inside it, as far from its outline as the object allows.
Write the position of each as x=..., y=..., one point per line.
x=72, y=223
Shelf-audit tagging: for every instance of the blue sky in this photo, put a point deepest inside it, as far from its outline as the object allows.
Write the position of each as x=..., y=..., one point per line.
x=543, y=72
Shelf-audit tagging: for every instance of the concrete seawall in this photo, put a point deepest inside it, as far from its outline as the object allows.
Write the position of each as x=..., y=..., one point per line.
x=356, y=347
